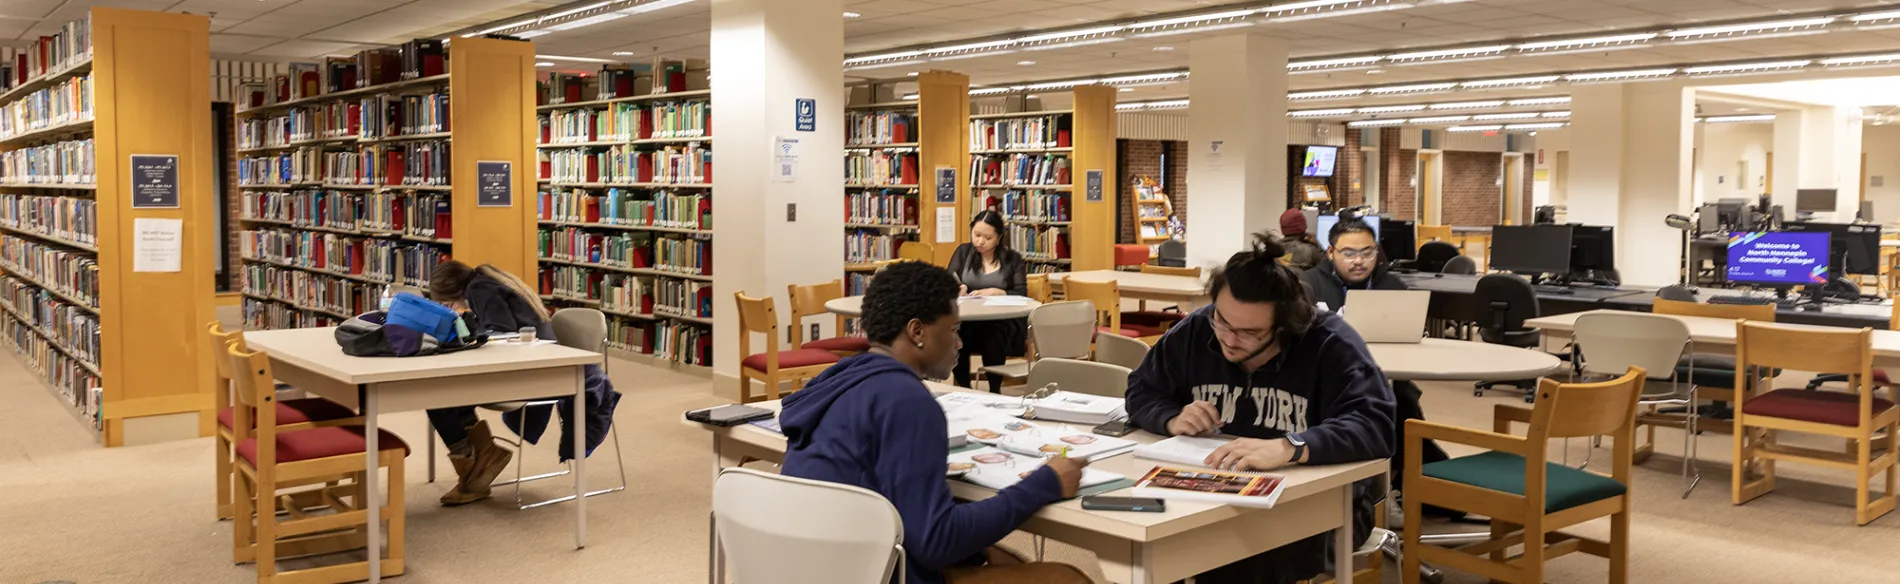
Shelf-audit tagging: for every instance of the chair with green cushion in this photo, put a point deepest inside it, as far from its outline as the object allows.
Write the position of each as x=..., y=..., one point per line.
x=1528, y=502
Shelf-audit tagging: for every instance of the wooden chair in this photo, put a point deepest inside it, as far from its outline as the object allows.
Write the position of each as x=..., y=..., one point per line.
x=1430, y=233
x=1713, y=373
x=1527, y=503
x=757, y=315
x=809, y=301
x=270, y=460
x=1039, y=291
x=1107, y=298
x=917, y=251
x=1151, y=323
x=292, y=415
x=1855, y=415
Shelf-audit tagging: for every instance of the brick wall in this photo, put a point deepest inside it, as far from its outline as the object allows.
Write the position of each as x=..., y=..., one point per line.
x=1472, y=193
x=232, y=199
x=1139, y=158
x=1352, y=170
x=1397, y=195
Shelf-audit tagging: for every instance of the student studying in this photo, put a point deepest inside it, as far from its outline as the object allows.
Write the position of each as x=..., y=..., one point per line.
x=987, y=266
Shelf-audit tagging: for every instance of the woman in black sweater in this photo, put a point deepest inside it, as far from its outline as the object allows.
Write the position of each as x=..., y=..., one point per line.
x=988, y=267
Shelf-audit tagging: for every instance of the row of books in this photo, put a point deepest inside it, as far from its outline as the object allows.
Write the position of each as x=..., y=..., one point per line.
x=866, y=246
x=63, y=103
x=74, y=274
x=372, y=117
x=65, y=162
x=368, y=68
x=304, y=165
x=418, y=163
x=684, y=256
x=627, y=294
x=261, y=315
x=381, y=260
x=1154, y=229
x=304, y=207
x=880, y=167
x=875, y=128
x=688, y=164
x=65, y=48
x=571, y=244
x=72, y=328
x=79, y=388
x=673, y=297
x=886, y=207
x=1037, y=243
x=1052, y=131
x=404, y=115
x=672, y=340
x=616, y=122
x=322, y=293
x=682, y=119
x=616, y=206
x=614, y=80
x=1038, y=206
x=418, y=213
x=1019, y=169
x=855, y=283
x=69, y=218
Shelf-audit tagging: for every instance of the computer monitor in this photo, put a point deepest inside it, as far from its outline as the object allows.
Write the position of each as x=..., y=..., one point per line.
x=1814, y=200
x=1854, y=249
x=1731, y=211
x=1778, y=258
x=1399, y=239
x=1531, y=249
x=1866, y=212
x=1324, y=230
x=1592, y=247
x=1319, y=161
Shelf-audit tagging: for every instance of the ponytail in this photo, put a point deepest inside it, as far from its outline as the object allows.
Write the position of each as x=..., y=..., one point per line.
x=1258, y=276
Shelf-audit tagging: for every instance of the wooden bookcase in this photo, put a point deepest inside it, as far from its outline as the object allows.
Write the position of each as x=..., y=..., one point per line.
x=625, y=218
x=891, y=174
x=1152, y=210
x=1033, y=166
x=325, y=242
x=123, y=348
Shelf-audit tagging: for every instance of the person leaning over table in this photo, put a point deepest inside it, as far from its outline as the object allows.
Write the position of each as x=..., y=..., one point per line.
x=987, y=266
x=1294, y=386
x=1302, y=251
x=869, y=421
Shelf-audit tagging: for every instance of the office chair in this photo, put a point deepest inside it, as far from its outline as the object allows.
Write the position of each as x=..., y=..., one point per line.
x=1173, y=254
x=1505, y=301
x=1433, y=255
x=1461, y=265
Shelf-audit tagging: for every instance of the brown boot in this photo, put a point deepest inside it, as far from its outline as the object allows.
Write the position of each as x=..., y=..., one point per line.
x=456, y=496
x=477, y=471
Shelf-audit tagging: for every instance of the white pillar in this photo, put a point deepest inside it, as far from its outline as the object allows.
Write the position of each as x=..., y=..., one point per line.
x=1632, y=166
x=767, y=55
x=1237, y=143
x=1819, y=148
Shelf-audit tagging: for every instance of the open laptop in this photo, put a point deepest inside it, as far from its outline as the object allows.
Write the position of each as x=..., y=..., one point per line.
x=1387, y=316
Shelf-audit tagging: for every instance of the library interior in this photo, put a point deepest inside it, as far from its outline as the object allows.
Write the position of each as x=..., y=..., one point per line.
x=397, y=259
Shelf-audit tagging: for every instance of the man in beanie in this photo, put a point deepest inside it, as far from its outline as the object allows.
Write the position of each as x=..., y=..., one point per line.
x=1302, y=251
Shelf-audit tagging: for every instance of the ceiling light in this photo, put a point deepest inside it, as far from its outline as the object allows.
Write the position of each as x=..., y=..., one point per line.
x=1305, y=5
x=1747, y=27
x=1438, y=120
x=544, y=64
x=1536, y=126
x=1319, y=113
x=886, y=65
x=1612, y=75
x=1059, y=84
x=1537, y=101
x=1556, y=114
x=910, y=97
x=911, y=74
x=1536, y=80
x=1339, y=62
x=1317, y=14
x=1126, y=89
x=1870, y=16
x=1386, y=109
x=533, y=34
x=574, y=59
x=573, y=11
x=591, y=20
x=1162, y=49
x=1365, y=123
x=1414, y=88
x=1486, y=128
x=849, y=14
x=882, y=57
x=1467, y=104
x=1069, y=34
x=972, y=55
x=1743, y=67
x=1151, y=105
x=1741, y=109
x=1194, y=18
x=1025, y=63
x=1491, y=117
x=622, y=53
x=1375, y=71
x=1080, y=43
x=1325, y=94
x=1619, y=39
x=1448, y=53
x=1861, y=60
x=969, y=47
x=1188, y=29
x=1146, y=78
x=654, y=5
x=1736, y=119
x=528, y=22
x=990, y=91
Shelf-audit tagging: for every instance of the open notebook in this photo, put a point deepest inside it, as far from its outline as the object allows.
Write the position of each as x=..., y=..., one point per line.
x=999, y=469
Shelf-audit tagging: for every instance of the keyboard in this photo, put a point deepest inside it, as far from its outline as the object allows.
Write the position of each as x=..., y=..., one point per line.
x=1737, y=299
x=1555, y=290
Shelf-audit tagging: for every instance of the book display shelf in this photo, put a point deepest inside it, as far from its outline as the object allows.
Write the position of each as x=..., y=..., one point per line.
x=625, y=205
x=1153, y=211
x=71, y=147
x=350, y=185
x=1029, y=166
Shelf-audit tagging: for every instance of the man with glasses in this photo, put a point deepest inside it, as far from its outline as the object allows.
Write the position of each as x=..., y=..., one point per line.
x=1290, y=384
x=1354, y=265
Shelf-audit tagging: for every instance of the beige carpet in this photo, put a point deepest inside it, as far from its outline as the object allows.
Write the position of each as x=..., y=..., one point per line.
x=71, y=511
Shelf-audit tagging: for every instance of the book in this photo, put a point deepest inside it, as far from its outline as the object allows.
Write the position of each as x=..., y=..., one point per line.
x=1000, y=469
x=1079, y=408
x=1044, y=440
x=1188, y=450
x=1210, y=486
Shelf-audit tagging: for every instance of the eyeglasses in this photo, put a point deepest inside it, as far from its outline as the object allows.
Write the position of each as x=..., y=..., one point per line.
x=1364, y=253
x=1220, y=325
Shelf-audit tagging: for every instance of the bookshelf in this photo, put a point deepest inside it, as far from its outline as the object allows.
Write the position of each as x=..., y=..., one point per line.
x=120, y=347
x=1153, y=212
x=347, y=192
x=1031, y=167
x=624, y=211
x=881, y=184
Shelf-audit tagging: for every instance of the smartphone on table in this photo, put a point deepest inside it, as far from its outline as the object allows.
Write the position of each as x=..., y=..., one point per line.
x=1116, y=428
x=1137, y=504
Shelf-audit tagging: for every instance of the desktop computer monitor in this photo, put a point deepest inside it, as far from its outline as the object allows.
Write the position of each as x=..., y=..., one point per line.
x=1814, y=200
x=1853, y=249
x=1778, y=258
x=1866, y=212
x=1592, y=247
x=1323, y=231
x=1399, y=239
x=1531, y=249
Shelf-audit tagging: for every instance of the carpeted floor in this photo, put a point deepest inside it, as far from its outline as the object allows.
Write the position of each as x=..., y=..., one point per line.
x=73, y=512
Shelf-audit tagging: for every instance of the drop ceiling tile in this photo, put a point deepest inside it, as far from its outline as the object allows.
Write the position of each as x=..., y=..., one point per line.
x=239, y=44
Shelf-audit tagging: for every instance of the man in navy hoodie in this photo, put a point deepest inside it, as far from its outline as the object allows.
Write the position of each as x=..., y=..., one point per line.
x=870, y=422
x=1294, y=385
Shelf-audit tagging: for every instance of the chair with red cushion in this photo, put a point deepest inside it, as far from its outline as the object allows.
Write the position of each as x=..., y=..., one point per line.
x=809, y=301
x=270, y=460
x=1154, y=322
x=757, y=315
x=292, y=415
x=1130, y=254
x=1107, y=298
x=1869, y=424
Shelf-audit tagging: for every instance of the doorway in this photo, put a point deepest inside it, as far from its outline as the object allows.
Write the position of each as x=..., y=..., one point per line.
x=1512, y=208
x=1430, y=168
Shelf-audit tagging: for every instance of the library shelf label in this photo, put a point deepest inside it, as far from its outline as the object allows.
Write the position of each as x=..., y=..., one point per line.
x=154, y=181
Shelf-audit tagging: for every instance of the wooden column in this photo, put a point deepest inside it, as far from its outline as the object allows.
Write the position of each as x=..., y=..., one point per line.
x=943, y=110
x=491, y=101
x=1092, y=232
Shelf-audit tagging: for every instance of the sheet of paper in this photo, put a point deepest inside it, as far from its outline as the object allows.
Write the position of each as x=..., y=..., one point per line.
x=1007, y=300
x=785, y=160
x=946, y=224
x=158, y=244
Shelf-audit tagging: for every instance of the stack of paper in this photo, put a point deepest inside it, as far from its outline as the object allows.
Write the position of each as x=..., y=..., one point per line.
x=1006, y=301
x=1045, y=441
x=1188, y=450
x=987, y=402
x=1079, y=408
x=999, y=469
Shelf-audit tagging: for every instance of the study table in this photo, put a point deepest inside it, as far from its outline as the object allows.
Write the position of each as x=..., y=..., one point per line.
x=971, y=308
x=1456, y=360
x=1189, y=292
x=1136, y=548
x=1454, y=298
x=1717, y=335
x=310, y=359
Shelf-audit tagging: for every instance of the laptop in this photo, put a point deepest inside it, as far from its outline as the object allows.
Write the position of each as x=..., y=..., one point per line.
x=1387, y=316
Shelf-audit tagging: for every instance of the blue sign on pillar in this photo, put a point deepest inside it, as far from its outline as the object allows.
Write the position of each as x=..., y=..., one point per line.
x=807, y=111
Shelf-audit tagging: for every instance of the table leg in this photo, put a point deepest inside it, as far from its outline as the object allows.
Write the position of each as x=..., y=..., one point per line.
x=1141, y=568
x=580, y=459
x=716, y=572
x=1343, y=544
x=372, y=484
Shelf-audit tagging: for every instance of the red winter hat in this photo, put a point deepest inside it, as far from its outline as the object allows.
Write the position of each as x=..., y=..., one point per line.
x=1292, y=222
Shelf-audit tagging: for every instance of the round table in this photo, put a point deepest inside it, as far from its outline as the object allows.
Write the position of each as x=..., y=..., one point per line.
x=1454, y=360
x=968, y=308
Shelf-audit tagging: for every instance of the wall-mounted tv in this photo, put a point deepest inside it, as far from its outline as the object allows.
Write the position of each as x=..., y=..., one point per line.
x=1319, y=161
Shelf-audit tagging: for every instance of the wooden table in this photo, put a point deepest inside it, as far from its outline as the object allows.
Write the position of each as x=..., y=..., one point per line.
x=1717, y=335
x=1137, y=548
x=970, y=308
x=1190, y=293
x=310, y=360
x=1455, y=360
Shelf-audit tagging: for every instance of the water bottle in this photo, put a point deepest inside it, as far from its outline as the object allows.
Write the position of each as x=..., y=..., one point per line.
x=383, y=304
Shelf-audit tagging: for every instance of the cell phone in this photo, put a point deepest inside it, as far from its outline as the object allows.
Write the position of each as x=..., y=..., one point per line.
x=1115, y=428
x=1137, y=504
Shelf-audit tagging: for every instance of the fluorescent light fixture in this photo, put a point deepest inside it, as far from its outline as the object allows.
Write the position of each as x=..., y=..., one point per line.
x=1446, y=53
x=849, y=14
x=969, y=47
x=574, y=59
x=1318, y=14
x=1537, y=80
x=1536, y=126
x=1058, y=84
x=1741, y=67
x=1494, y=117
x=1563, y=114
x=1368, y=123
x=1080, y=43
x=544, y=64
x=1148, y=78
x=1100, y=30
x=972, y=55
x=1386, y=109
x=1618, y=39
x=888, y=65
x=1482, y=128
x=528, y=22
x=589, y=21
x=1306, y=5
x=1612, y=75
x=1025, y=63
x=881, y=57
x=1747, y=27
x=1537, y=101
x=1415, y=88
x=911, y=74
x=1185, y=30
x=1339, y=62
x=622, y=53
x=1738, y=119
x=1467, y=104
x=990, y=91
x=1126, y=89
x=1861, y=60
x=533, y=34
x=654, y=5
x=1438, y=120
x=567, y=13
x=910, y=97
x=1162, y=49
x=1870, y=16
x=1319, y=113
x=1325, y=94
x=1194, y=18
x=1149, y=105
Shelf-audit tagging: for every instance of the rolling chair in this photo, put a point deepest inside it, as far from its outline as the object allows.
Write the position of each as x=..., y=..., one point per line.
x=1505, y=301
x=1461, y=265
x=1433, y=255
